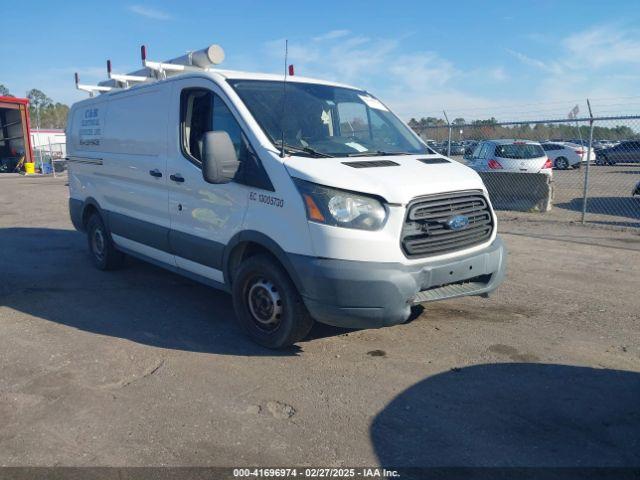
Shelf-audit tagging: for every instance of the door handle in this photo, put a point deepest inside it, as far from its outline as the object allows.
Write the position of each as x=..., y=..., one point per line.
x=155, y=173
x=177, y=178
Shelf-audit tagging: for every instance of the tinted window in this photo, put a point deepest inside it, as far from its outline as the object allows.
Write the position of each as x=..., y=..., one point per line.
x=519, y=150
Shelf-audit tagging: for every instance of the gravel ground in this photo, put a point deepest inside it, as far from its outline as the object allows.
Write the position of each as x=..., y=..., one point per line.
x=142, y=367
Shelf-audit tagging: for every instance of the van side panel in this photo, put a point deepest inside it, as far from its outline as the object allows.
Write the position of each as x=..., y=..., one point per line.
x=84, y=149
x=118, y=155
x=134, y=145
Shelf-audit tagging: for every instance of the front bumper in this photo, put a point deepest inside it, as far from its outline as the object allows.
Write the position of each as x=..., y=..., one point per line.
x=369, y=294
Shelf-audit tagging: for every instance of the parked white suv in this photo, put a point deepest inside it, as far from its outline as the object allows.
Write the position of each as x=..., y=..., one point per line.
x=327, y=208
x=522, y=156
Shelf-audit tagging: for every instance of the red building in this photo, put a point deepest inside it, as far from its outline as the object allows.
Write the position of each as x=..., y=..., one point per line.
x=15, y=138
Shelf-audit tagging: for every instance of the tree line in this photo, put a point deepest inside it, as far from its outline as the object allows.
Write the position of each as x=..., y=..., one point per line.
x=54, y=115
x=44, y=112
x=436, y=129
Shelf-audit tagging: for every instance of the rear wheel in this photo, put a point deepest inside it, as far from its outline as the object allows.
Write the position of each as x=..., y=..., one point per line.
x=562, y=163
x=103, y=252
x=267, y=304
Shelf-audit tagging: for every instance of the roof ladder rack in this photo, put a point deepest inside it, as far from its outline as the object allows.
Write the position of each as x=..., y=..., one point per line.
x=153, y=71
x=125, y=80
x=160, y=68
x=92, y=89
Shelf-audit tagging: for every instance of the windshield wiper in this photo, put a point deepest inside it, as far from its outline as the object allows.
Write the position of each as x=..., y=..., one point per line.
x=309, y=150
x=377, y=153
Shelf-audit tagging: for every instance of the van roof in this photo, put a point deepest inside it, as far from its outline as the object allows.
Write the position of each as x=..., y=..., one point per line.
x=225, y=74
x=240, y=75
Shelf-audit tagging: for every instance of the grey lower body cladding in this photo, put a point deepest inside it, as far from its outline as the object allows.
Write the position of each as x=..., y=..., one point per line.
x=339, y=292
x=196, y=249
x=368, y=294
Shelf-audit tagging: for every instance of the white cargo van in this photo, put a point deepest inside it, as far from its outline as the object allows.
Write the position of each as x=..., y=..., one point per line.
x=325, y=206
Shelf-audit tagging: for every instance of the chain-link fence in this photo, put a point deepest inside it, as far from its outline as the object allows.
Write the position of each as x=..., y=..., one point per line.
x=584, y=169
x=51, y=158
x=48, y=159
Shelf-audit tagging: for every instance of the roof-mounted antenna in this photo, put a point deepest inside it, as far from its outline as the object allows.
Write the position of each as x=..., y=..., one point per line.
x=284, y=97
x=90, y=88
x=126, y=80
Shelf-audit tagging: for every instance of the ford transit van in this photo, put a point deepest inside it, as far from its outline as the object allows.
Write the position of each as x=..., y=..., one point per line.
x=306, y=200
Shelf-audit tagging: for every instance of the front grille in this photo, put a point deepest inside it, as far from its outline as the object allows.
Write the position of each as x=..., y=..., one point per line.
x=425, y=230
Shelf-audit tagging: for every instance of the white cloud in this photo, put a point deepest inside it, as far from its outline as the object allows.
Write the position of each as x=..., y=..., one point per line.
x=149, y=12
x=412, y=83
x=601, y=62
x=603, y=46
x=551, y=67
x=498, y=74
x=332, y=35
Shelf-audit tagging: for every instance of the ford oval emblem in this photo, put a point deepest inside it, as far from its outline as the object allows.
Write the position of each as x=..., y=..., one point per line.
x=457, y=222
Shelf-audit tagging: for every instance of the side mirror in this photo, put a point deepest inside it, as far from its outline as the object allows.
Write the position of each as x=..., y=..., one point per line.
x=219, y=159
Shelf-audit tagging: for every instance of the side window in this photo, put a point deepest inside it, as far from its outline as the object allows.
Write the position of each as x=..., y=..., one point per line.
x=223, y=120
x=195, y=121
x=484, y=151
x=476, y=151
x=203, y=111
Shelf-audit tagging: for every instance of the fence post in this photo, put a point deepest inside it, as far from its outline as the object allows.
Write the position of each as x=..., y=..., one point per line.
x=53, y=170
x=449, y=141
x=585, y=193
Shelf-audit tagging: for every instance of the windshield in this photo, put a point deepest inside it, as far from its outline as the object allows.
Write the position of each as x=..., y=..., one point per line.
x=519, y=150
x=321, y=120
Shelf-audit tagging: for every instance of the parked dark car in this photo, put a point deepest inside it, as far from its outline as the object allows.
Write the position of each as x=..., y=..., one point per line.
x=624, y=152
x=469, y=147
x=457, y=148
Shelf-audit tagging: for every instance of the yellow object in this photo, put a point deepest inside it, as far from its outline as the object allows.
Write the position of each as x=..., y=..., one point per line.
x=29, y=168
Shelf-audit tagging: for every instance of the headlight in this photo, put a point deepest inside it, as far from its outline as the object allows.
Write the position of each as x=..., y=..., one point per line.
x=341, y=208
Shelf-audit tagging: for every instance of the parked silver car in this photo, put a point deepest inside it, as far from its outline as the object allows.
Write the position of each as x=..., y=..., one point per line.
x=510, y=156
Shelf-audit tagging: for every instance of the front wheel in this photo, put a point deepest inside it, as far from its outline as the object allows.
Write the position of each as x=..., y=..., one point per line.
x=267, y=304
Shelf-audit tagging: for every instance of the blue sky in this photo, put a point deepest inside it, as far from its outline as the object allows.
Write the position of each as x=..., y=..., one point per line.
x=510, y=59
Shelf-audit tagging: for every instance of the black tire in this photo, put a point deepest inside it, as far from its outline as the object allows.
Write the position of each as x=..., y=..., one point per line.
x=103, y=252
x=267, y=304
x=561, y=163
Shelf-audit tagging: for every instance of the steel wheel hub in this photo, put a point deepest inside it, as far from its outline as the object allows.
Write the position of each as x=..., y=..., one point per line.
x=265, y=303
x=97, y=242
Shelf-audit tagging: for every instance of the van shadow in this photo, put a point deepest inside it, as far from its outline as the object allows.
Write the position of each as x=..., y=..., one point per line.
x=513, y=415
x=47, y=273
x=628, y=207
